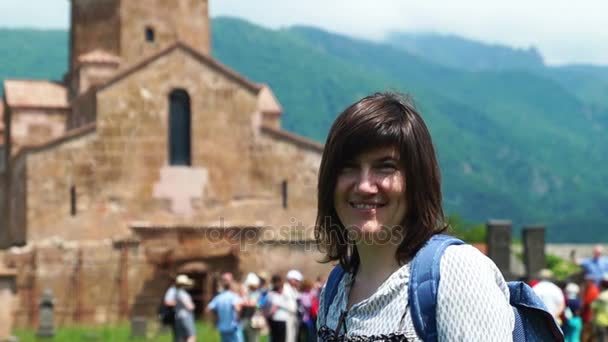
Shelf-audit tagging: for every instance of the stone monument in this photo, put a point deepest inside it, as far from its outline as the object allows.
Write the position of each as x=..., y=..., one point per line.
x=534, y=249
x=46, y=326
x=139, y=327
x=498, y=240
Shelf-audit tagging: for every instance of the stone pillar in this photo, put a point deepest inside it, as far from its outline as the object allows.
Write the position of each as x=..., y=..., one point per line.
x=46, y=324
x=498, y=240
x=7, y=299
x=139, y=327
x=534, y=250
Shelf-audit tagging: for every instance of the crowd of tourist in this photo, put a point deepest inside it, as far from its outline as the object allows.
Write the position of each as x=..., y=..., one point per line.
x=580, y=307
x=281, y=306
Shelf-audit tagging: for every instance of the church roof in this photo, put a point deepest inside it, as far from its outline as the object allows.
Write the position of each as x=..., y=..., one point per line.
x=267, y=102
x=98, y=56
x=35, y=94
x=208, y=60
x=293, y=138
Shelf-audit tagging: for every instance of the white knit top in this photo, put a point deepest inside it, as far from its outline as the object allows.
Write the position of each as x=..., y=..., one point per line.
x=472, y=304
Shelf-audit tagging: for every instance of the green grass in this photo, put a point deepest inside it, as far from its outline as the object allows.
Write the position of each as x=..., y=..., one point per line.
x=120, y=332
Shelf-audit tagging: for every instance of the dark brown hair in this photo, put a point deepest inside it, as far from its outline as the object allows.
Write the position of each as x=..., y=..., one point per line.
x=380, y=120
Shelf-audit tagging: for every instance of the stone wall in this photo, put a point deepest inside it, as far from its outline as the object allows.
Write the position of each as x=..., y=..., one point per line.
x=278, y=156
x=95, y=25
x=132, y=123
x=92, y=282
x=36, y=126
x=59, y=167
x=16, y=202
x=84, y=110
x=93, y=74
x=171, y=21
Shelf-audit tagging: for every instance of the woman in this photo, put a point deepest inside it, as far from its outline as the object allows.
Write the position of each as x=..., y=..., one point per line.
x=379, y=202
x=306, y=300
x=250, y=323
x=184, y=310
x=277, y=311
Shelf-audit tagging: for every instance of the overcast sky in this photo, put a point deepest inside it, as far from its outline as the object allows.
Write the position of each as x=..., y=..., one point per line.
x=565, y=31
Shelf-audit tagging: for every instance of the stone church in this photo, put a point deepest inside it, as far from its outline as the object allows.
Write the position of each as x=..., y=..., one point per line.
x=150, y=158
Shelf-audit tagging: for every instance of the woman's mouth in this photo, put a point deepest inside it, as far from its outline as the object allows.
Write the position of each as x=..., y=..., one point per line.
x=366, y=205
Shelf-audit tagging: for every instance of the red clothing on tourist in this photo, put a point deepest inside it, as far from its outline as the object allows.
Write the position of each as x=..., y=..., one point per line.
x=591, y=293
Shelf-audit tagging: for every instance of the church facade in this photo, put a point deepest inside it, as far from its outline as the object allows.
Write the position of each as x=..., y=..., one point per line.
x=150, y=158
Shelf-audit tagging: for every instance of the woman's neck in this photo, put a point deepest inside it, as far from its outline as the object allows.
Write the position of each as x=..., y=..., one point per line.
x=376, y=262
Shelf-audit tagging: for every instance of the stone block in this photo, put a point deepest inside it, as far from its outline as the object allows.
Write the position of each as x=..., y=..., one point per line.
x=534, y=249
x=499, y=244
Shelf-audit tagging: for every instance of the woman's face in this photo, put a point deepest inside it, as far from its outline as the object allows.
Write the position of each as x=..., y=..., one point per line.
x=370, y=192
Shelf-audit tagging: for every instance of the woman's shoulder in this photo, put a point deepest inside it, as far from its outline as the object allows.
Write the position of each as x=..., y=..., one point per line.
x=472, y=295
x=466, y=254
x=465, y=264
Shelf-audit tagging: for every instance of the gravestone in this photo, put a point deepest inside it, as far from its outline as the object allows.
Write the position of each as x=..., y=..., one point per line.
x=138, y=327
x=498, y=240
x=7, y=298
x=534, y=250
x=46, y=324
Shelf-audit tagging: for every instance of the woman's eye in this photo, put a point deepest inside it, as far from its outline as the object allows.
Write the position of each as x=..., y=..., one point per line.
x=388, y=167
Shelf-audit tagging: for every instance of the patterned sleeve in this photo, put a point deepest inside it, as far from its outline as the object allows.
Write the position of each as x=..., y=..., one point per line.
x=321, y=311
x=473, y=298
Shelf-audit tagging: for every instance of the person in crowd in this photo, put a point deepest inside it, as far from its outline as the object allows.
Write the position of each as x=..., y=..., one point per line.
x=551, y=294
x=169, y=310
x=178, y=297
x=596, y=266
x=291, y=292
x=600, y=313
x=250, y=323
x=573, y=323
x=263, y=289
x=379, y=178
x=590, y=293
x=225, y=307
x=277, y=310
x=306, y=300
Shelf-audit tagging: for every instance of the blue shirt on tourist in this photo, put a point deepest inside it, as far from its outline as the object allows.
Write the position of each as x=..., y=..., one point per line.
x=596, y=268
x=224, y=306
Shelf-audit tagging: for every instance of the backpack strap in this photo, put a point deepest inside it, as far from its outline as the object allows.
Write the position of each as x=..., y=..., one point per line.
x=331, y=287
x=424, y=283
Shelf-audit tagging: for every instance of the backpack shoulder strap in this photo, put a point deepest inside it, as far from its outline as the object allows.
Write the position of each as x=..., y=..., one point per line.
x=331, y=287
x=424, y=283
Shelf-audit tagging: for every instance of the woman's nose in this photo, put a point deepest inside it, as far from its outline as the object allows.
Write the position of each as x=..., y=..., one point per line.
x=366, y=183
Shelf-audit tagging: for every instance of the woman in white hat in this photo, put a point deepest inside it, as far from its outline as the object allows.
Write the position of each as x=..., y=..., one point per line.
x=252, y=320
x=184, y=310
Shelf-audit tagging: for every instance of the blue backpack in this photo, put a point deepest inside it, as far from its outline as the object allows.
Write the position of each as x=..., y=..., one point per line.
x=532, y=320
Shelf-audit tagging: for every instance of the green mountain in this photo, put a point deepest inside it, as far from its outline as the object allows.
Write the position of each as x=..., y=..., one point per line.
x=461, y=53
x=514, y=142
x=589, y=83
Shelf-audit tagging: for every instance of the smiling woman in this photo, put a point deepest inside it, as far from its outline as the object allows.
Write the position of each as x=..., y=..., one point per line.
x=379, y=203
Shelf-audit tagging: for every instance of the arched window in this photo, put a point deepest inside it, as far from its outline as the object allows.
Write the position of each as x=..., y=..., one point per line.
x=179, y=127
